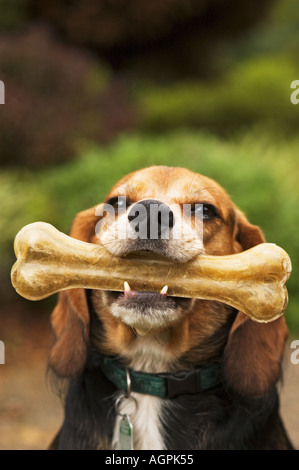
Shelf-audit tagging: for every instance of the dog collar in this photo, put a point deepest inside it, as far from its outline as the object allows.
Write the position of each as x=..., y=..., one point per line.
x=163, y=385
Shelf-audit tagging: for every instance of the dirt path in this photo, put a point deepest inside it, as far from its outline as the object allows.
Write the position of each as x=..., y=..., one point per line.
x=30, y=413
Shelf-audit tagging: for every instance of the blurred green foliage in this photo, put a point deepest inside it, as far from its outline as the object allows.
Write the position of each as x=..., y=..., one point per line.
x=259, y=172
x=59, y=96
x=14, y=14
x=250, y=85
x=255, y=92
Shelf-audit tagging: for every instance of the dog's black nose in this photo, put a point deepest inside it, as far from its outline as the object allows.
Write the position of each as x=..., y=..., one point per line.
x=151, y=219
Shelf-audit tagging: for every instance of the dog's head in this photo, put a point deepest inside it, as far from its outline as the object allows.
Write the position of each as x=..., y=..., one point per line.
x=177, y=214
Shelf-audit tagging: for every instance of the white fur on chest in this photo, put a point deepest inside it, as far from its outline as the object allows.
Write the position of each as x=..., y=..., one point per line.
x=145, y=421
x=146, y=356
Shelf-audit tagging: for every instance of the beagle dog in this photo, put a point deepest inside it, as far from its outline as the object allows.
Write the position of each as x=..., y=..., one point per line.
x=150, y=371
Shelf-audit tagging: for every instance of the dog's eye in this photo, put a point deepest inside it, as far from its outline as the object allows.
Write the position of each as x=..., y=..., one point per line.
x=206, y=211
x=119, y=203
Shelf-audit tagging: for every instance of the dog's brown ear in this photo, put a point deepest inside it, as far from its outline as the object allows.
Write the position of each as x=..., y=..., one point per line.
x=253, y=354
x=70, y=324
x=246, y=235
x=70, y=318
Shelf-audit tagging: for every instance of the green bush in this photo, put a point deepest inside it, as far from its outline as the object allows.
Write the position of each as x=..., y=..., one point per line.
x=255, y=92
x=250, y=86
x=260, y=173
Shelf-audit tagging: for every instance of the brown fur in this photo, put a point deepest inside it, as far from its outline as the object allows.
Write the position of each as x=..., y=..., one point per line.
x=253, y=351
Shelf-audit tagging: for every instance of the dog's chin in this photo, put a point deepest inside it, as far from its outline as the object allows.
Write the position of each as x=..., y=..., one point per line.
x=147, y=312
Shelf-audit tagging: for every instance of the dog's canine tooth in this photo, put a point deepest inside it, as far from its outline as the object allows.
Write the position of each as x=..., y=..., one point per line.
x=127, y=287
x=164, y=290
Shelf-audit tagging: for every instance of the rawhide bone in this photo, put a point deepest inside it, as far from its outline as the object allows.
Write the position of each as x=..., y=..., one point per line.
x=252, y=281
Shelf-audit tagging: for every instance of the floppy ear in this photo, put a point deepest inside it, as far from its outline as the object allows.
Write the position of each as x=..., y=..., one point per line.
x=246, y=234
x=254, y=351
x=70, y=318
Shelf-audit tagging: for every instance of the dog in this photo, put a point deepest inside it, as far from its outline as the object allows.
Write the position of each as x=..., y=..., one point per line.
x=117, y=350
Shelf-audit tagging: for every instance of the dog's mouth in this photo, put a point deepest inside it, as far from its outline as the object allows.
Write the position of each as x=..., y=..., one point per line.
x=132, y=298
x=144, y=300
x=145, y=311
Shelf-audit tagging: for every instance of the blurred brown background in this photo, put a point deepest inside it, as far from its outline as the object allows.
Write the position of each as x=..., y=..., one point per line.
x=96, y=89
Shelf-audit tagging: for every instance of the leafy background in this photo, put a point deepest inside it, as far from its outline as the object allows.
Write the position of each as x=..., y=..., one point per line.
x=95, y=90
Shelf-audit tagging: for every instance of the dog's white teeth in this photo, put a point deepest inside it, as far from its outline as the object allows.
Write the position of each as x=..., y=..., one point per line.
x=127, y=288
x=164, y=290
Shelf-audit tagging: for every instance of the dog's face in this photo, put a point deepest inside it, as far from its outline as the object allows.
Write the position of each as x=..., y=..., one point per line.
x=196, y=216
x=167, y=332
x=172, y=190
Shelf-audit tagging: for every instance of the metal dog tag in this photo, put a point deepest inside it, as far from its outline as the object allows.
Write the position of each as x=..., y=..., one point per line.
x=125, y=435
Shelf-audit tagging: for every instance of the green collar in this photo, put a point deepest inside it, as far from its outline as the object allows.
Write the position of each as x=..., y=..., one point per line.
x=161, y=385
